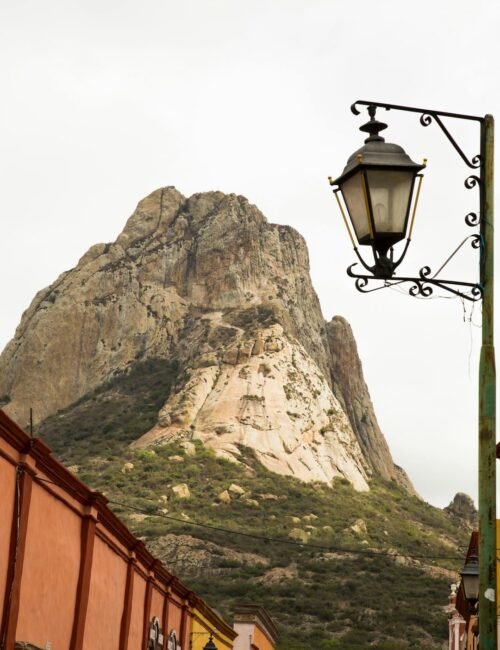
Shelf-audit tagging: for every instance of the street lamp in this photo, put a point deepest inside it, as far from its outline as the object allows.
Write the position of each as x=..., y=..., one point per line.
x=470, y=580
x=377, y=187
x=210, y=645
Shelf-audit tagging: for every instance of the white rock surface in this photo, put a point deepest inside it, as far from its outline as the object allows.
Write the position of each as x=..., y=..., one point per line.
x=181, y=491
x=277, y=402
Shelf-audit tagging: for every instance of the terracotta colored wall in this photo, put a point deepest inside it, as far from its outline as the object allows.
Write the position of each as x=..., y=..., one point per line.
x=106, y=598
x=174, y=620
x=50, y=573
x=58, y=515
x=156, y=606
x=7, y=485
x=137, y=616
x=261, y=640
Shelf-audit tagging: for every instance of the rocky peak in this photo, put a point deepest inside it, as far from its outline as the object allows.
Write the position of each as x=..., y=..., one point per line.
x=462, y=506
x=208, y=281
x=349, y=387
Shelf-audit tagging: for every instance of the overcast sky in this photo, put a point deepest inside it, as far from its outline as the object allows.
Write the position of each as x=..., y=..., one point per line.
x=104, y=101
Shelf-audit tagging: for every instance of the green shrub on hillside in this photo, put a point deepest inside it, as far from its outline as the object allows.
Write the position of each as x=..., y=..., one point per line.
x=341, y=590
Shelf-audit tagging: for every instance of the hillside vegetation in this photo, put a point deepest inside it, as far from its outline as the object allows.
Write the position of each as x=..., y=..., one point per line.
x=335, y=568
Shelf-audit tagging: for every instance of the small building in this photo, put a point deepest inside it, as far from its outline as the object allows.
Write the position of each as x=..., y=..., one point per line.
x=72, y=576
x=206, y=625
x=255, y=628
x=456, y=622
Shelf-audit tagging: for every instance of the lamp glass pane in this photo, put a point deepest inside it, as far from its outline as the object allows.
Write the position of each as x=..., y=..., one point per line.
x=471, y=586
x=390, y=193
x=354, y=197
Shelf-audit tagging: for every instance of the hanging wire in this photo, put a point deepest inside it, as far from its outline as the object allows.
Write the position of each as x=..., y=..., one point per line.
x=275, y=540
x=406, y=293
x=452, y=256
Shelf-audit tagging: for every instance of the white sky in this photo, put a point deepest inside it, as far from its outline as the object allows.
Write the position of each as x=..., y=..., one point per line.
x=103, y=102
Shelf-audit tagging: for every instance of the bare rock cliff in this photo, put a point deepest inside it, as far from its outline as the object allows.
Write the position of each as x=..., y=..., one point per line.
x=209, y=281
x=349, y=387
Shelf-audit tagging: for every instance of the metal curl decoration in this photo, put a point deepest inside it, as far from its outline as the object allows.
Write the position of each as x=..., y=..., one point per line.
x=422, y=286
x=472, y=219
x=360, y=284
x=421, y=289
x=472, y=181
x=426, y=119
x=425, y=272
x=476, y=241
x=354, y=109
x=477, y=292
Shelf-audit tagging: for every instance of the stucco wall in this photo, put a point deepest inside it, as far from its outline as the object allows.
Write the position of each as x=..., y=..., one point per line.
x=7, y=485
x=261, y=641
x=78, y=577
x=50, y=572
x=157, y=600
x=245, y=635
x=174, y=619
x=137, y=615
x=105, y=607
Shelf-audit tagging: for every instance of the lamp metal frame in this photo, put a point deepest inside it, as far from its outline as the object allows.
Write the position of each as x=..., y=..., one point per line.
x=423, y=284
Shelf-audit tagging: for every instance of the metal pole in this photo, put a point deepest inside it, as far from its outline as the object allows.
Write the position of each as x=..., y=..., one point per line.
x=487, y=406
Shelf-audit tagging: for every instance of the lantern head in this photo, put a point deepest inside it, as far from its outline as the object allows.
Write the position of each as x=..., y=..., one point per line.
x=377, y=186
x=470, y=579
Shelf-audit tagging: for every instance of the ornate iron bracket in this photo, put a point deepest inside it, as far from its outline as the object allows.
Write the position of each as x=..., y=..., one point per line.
x=426, y=118
x=423, y=285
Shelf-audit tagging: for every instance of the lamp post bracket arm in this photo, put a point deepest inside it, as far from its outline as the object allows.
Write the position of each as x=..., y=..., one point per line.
x=426, y=118
x=422, y=286
x=413, y=109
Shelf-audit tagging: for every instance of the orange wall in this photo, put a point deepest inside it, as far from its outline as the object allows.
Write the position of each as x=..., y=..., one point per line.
x=50, y=572
x=106, y=598
x=137, y=617
x=7, y=485
x=156, y=606
x=174, y=619
x=261, y=641
x=60, y=591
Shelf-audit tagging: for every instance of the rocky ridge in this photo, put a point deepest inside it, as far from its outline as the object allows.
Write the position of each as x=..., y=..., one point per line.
x=208, y=281
x=462, y=507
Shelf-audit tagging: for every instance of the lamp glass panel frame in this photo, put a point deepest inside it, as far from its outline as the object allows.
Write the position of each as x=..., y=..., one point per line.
x=470, y=584
x=379, y=210
x=355, y=197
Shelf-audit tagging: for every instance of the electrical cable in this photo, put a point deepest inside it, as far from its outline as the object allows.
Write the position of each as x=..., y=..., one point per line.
x=275, y=540
x=280, y=540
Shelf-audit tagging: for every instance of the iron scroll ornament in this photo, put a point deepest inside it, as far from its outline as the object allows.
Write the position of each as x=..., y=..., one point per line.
x=423, y=285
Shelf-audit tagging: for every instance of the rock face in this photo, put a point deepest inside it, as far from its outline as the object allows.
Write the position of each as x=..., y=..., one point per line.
x=208, y=281
x=349, y=386
x=463, y=507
